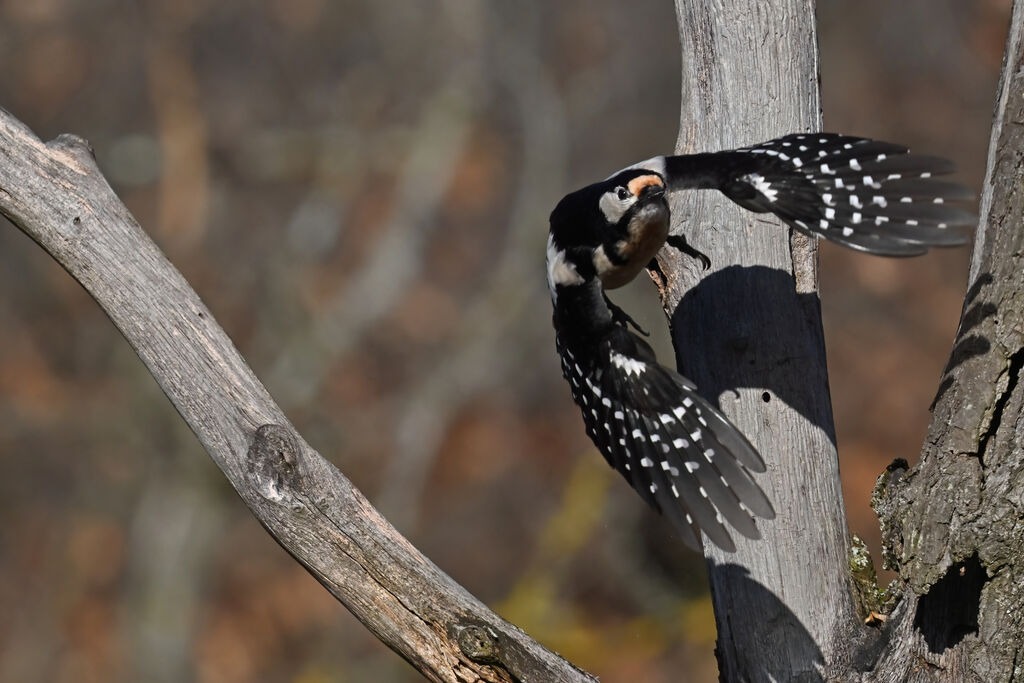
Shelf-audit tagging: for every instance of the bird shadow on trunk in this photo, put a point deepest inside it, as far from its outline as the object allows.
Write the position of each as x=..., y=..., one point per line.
x=739, y=328
x=784, y=638
x=968, y=344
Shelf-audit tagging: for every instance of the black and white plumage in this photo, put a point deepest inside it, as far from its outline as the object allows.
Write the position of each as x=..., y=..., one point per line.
x=679, y=453
x=870, y=196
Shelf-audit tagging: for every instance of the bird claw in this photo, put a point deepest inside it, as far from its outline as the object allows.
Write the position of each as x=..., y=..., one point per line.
x=620, y=317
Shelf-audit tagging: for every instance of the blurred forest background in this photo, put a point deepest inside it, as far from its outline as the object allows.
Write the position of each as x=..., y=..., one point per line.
x=359, y=191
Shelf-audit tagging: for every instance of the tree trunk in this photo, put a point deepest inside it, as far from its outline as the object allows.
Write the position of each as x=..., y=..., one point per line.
x=749, y=334
x=953, y=526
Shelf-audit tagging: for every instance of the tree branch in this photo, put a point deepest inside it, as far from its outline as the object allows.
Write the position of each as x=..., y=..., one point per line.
x=55, y=194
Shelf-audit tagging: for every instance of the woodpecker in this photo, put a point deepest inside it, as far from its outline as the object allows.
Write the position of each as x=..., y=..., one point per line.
x=677, y=450
x=867, y=195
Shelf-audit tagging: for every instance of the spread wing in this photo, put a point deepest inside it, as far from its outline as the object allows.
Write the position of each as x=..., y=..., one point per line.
x=679, y=452
x=867, y=195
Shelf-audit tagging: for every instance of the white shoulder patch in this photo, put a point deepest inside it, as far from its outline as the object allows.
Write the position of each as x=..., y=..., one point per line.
x=627, y=364
x=560, y=270
x=763, y=186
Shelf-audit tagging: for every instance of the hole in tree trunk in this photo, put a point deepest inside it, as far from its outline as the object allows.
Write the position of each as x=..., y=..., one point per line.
x=949, y=611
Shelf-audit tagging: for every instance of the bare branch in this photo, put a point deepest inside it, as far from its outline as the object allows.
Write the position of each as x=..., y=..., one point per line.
x=55, y=194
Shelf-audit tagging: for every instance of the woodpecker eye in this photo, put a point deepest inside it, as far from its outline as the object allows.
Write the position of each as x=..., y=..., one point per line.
x=622, y=193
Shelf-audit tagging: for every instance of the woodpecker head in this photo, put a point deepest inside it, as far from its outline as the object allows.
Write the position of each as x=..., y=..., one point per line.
x=609, y=230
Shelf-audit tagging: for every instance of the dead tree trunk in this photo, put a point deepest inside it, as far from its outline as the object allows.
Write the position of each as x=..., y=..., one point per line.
x=749, y=334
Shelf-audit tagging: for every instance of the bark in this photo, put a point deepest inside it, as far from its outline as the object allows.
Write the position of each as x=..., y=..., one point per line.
x=55, y=193
x=954, y=525
x=749, y=333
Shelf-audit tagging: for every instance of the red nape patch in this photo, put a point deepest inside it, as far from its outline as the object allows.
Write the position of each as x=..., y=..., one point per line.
x=636, y=185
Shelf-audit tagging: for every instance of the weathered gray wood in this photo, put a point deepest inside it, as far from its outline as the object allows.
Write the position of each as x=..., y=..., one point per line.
x=749, y=333
x=55, y=194
x=954, y=525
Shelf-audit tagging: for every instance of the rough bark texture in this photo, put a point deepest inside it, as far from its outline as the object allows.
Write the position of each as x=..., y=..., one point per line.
x=954, y=525
x=55, y=194
x=749, y=333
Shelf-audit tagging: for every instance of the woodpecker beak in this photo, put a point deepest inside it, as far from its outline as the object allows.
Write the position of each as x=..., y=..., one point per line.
x=647, y=186
x=652, y=191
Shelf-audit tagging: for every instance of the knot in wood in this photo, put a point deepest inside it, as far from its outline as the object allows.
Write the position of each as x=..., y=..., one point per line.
x=274, y=463
x=478, y=643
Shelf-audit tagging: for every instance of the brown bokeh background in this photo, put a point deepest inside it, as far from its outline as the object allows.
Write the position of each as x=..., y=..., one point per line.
x=359, y=191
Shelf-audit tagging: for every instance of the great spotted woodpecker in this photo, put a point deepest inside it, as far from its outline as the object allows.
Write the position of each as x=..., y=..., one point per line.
x=676, y=449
